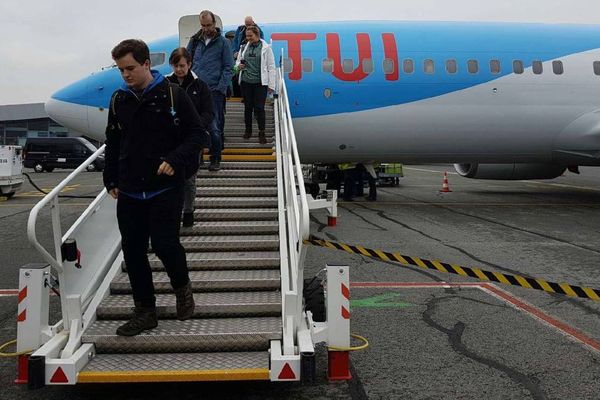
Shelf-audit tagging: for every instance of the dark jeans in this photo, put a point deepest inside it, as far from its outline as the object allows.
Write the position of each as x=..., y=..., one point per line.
x=217, y=126
x=156, y=219
x=255, y=96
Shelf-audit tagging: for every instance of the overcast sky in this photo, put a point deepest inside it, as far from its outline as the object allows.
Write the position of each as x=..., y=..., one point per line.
x=46, y=44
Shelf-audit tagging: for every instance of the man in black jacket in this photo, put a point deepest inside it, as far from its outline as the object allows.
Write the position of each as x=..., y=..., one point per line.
x=153, y=132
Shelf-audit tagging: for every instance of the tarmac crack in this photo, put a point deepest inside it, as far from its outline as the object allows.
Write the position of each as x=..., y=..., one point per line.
x=530, y=383
x=516, y=228
x=381, y=228
x=383, y=215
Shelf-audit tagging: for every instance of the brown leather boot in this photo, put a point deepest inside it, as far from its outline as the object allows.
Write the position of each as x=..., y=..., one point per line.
x=185, y=302
x=143, y=318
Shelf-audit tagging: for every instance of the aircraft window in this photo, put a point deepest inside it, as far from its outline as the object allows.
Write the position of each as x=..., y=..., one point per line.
x=348, y=65
x=518, y=67
x=473, y=66
x=157, y=59
x=388, y=66
x=495, y=66
x=288, y=65
x=409, y=66
x=538, y=67
x=558, y=68
x=451, y=66
x=327, y=65
x=367, y=66
x=429, y=66
x=307, y=65
x=597, y=68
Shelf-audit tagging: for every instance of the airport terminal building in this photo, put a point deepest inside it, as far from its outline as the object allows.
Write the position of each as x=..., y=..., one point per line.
x=21, y=121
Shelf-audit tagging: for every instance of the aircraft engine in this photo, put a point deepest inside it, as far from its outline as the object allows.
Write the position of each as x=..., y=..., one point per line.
x=509, y=172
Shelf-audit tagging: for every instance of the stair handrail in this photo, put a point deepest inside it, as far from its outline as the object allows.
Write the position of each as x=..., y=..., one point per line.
x=83, y=284
x=295, y=206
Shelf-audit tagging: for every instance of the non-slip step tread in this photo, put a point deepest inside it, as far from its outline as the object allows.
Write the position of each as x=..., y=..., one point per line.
x=248, y=165
x=233, y=191
x=233, y=182
x=215, y=304
x=177, y=362
x=193, y=335
x=241, y=260
x=237, y=202
x=229, y=239
x=204, y=228
x=214, y=280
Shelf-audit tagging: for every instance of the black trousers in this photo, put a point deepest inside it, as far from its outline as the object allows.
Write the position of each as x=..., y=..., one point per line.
x=156, y=219
x=255, y=95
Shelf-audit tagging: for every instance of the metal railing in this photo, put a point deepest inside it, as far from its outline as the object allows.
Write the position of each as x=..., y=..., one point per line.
x=98, y=241
x=293, y=214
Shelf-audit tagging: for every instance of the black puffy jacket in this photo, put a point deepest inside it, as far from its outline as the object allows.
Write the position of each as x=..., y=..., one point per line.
x=142, y=132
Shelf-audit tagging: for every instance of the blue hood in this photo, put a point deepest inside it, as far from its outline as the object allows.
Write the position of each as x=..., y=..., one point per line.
x=158, y=78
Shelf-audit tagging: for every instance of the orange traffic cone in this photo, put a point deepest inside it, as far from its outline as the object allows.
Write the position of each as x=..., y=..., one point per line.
x=445, y=187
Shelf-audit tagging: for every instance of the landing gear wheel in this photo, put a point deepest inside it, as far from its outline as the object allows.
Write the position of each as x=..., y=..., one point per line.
x=91, y=168
x=38, y=168
x=314, y=298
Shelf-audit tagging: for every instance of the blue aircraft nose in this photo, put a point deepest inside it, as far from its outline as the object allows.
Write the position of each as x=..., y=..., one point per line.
x=68, y=106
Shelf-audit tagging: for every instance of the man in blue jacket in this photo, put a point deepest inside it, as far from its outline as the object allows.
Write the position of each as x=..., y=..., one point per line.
x=213, y=63
x=240, y=35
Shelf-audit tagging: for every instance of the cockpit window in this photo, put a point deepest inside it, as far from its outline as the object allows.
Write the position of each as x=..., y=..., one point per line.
x=157, y=59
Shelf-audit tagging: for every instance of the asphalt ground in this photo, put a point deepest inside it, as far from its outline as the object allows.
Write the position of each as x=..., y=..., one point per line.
x=432, y=335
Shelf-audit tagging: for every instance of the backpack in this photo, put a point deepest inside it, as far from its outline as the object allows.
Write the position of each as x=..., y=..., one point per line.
x=192, y=163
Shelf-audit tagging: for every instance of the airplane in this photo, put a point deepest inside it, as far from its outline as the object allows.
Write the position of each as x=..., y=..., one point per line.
x=498, y=100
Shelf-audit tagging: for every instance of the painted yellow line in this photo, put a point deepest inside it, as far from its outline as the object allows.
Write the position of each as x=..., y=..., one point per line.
x=257, y=374
x=523, y=282
x=248, y=151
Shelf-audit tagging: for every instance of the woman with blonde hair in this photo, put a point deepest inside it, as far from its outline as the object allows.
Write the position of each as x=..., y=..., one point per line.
x=256, y=64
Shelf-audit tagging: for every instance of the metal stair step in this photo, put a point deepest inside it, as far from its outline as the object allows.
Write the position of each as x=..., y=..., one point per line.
x=208, y=305
x=237, y=173
x=208, y=281
x=243, y=157
x=235, y=202
x=229, y=182
x=236, y=214
x=230, y=243
x=176, y=367
x=193, y=335
x=205, y=191
x=247, y=260
x=248, y=165
x=204, y=228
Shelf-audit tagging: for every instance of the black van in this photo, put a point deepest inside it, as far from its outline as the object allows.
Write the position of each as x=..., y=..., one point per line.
x=45, y=154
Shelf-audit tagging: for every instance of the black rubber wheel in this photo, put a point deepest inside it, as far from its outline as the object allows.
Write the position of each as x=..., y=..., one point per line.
x=38, y=167
x=91, y=167
x=48, y=169
x=314, y=298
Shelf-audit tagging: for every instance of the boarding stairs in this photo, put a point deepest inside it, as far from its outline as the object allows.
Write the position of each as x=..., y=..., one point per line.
x=245, y=254
x=233, y=256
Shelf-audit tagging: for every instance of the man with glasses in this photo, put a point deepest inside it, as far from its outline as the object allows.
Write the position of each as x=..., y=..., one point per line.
x=212, y=62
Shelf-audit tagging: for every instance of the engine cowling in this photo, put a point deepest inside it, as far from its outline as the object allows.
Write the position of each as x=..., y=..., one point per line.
x=509, y=172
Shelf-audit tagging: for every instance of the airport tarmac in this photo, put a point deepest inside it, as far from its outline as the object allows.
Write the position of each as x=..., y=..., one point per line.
x=432, y=335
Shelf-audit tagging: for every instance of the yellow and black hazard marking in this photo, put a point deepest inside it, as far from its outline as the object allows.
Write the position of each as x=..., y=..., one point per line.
x=482, y=275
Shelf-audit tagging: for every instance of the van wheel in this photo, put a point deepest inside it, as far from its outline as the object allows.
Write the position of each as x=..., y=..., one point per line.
x=38, y=168
x=314, y=298
x=91, y=168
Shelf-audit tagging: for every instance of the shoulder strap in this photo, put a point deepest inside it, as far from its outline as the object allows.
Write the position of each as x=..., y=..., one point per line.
x=112, y=106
